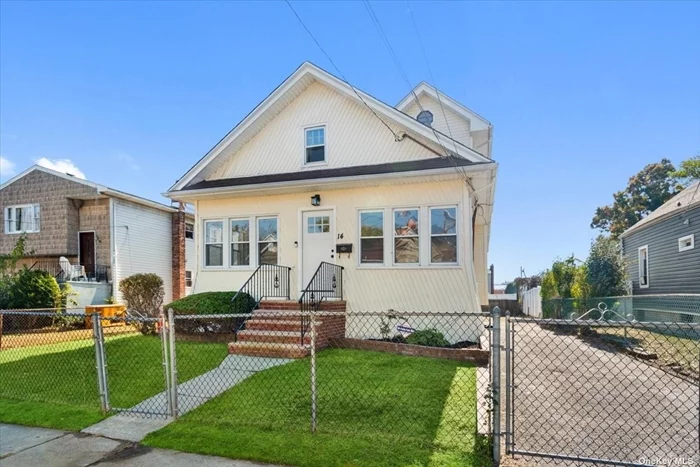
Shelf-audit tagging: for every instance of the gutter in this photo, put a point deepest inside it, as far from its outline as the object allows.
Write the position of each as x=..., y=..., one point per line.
x=266, y=187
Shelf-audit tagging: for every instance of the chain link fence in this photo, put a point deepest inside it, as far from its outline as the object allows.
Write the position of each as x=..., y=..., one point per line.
x=603, y=389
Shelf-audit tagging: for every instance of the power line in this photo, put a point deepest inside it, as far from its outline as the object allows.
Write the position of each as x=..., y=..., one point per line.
x=460, y=171
x=396, y=137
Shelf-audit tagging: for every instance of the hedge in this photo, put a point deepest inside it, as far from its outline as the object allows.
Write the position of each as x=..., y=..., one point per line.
x=211, y=303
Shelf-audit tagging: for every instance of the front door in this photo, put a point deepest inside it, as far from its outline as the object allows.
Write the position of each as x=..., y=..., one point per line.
x=87, y=252
x=318, y=243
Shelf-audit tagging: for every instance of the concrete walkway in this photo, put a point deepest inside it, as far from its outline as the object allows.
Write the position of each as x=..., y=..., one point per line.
x=22, y=446
x=135, y=425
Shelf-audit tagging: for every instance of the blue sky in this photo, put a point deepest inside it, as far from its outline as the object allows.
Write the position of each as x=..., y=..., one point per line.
x=581, y=95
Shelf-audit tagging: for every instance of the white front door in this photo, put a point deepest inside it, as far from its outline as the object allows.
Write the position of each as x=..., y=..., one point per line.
x=318, y=243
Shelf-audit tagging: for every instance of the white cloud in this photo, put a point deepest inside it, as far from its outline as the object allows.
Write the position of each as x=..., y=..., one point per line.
x=61, y=165
x=7, y=168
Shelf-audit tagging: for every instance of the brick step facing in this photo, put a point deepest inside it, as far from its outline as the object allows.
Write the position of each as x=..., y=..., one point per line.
x=277, y=337
x=268, y=349
x=267, y=335
x=264, y=324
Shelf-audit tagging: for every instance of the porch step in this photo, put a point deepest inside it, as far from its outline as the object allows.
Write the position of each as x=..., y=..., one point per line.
x=276, y=337
x=268, y=349
x=264, y=324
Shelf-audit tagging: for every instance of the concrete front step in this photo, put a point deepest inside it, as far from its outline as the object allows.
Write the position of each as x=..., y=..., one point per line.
x=268, y=349
x=264, y=324
x=278, y=337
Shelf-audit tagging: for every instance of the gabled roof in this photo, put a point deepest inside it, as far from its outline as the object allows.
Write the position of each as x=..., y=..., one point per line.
x=477, y=121
x=294, y=85
x=690, y=197
x=101, y=189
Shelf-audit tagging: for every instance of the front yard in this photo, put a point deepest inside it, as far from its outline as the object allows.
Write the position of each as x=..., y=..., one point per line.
x=55, y=385
x=373, y=409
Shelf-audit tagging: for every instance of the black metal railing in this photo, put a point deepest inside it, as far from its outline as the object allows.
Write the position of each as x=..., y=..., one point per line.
x=89, y=273
x=267, y=281
x=327, y=282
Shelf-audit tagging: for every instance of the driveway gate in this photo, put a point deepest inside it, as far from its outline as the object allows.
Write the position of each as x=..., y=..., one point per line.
x=603, y=391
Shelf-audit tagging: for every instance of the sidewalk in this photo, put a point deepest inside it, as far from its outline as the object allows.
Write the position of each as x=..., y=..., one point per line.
x=21, y=446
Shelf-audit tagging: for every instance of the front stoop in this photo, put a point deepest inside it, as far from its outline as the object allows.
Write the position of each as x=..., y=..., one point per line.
x=270, y=335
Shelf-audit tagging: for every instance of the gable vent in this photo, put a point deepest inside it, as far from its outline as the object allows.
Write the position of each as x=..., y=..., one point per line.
x=425, y=117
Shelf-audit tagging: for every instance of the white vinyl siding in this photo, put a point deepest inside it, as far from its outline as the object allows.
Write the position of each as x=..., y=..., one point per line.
x=143, y=244
x=456, y=125
x=358, y=138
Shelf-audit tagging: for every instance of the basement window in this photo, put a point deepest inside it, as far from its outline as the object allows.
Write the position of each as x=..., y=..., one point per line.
x=686, y=243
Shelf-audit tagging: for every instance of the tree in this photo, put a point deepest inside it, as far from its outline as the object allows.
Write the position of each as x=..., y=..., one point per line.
x=689, y=171
x=564, y=275
x=605, y=268
x=646, y=191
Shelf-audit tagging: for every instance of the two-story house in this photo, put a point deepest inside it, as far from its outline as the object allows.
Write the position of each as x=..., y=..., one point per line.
x=102, y=234
x=400, y=197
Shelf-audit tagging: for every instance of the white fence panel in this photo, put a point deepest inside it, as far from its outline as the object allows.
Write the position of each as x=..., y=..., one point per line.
x=532, y=303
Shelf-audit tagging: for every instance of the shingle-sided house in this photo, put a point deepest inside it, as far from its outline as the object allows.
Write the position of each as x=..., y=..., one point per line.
x=660, y=250
x=103, y=234
x=400, y=197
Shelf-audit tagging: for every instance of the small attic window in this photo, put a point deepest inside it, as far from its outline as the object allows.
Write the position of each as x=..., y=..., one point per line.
x=425, y=117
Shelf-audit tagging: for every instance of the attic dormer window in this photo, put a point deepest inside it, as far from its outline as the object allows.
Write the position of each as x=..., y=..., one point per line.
x=425, y=117
x=315, y=145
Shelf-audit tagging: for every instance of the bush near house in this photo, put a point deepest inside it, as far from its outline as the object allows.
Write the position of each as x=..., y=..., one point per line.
x=143, y=294
x=211, y=303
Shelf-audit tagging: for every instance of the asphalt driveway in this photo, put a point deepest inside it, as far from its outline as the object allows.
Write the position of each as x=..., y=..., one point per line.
x=577, y=399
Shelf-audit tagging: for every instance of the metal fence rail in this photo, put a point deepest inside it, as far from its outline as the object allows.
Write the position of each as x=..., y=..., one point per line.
x=606, y=392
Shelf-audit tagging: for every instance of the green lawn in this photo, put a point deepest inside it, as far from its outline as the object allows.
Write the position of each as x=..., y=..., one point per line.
x=55, y=385
x=373, y=409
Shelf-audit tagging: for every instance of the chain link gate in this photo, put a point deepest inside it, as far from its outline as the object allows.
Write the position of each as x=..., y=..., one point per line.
x=602, y=391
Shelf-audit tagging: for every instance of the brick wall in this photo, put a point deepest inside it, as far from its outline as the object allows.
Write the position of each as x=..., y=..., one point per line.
x=59, y=217
x=178, y=256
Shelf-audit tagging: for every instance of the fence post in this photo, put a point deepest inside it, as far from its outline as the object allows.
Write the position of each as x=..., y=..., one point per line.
x=496, y=386
x=509, y=383
x=162, y=331
x=313, y=372
x=173, y=362
x=100, y=364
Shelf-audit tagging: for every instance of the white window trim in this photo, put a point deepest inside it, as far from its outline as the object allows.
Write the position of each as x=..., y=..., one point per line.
x=457, y=235
x=231, y=242
x=36, y=222
x=418, y=236
x=224, y=256
x=258, y=241
x=325, y=146
x=639, y=260
x=190, y=279
x=360, y=237
x=190, y=230
x=682, y=240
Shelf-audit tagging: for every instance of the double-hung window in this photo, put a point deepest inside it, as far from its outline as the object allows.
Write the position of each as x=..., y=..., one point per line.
x=315, y=145
x=188, y=278
x=267, y=240
x=240, y=242
x=189, y=230
x=214, y=243
x=371, y=237
x=22, y=219
x=406, y=236
x=443, y=235
x=643, y=266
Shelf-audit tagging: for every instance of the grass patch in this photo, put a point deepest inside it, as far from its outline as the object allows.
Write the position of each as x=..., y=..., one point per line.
x=373, y=409
x=55, y=385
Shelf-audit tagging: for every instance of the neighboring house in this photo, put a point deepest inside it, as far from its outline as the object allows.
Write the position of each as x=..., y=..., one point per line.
x=109, y=234
x=660, y=250
x=314, y=166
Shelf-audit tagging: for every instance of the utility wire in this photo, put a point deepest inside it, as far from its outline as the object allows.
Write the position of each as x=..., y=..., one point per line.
x=460, y=170
x=396, y=137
